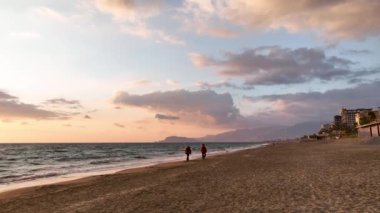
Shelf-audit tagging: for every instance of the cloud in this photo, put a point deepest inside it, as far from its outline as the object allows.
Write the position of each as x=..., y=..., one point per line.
x=92, y=111
x=87, y=117
x=143, y=82
x=133, y=16
x=142, y=31
x=50, y=14
x=161, y=36
x=199, y=60
x=166, y=117
x=130, y=10
x=214, y=31
x=119, y=125
x=364, y=72
x=203, y=106
x=11, y=108
x=335, y=19
x=63, y=102
x=201, y=28
x=198, y=18
x=302, y=106
x=6, y=96
x=273, y=65
x=206, y=85
x=173, y=84
x=356, y=52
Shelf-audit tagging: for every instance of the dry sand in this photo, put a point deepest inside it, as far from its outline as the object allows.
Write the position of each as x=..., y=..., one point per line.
x=341, y=176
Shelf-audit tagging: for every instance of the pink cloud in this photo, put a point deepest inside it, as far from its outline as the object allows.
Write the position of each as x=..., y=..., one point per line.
x=336, y=19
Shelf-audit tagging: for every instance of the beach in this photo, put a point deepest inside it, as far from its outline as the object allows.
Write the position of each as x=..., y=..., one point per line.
x=331, y=176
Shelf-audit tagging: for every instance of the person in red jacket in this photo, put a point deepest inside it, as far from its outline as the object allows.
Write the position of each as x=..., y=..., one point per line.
x=188, y=152
x=204, y=151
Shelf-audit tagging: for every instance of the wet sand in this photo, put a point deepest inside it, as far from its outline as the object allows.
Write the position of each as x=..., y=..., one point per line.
x=338, y=176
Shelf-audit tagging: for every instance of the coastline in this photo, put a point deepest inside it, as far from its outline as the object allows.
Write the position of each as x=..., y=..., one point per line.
x=329, y=176
x=9, y=188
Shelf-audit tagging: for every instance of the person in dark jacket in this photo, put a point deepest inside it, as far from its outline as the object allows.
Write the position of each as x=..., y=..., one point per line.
x=188, y=152
x=203, y=151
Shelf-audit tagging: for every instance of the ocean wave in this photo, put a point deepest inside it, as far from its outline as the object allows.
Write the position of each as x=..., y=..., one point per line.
x=11, y=176
x=37, y=169
x=101, y=162
x=60, y=151
x=33, y=157
x=140, y=157
x=34, y=177
x=8, y=178
x=44, y=161
x=76, y=158
x=36, y=163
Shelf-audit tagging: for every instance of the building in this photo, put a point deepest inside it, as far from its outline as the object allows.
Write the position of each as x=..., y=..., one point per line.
x=377, y=114
x=337, y=120
x=348, y=115
x=369, y=130
x=326, y=126
x=367, y=117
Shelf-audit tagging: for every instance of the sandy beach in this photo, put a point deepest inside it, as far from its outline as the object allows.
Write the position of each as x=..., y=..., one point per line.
x=335, y=176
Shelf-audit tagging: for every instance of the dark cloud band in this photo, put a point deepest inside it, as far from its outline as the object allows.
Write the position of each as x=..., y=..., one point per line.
x=275, y=65
x=206, y=105
x=12, y=107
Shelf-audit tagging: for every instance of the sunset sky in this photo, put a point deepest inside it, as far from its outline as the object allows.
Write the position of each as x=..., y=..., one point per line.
x=139, y=70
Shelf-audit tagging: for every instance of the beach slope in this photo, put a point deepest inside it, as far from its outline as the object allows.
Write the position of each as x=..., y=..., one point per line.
x=340, y=176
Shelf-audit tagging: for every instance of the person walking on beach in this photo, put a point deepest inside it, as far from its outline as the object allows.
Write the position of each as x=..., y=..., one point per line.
x=203, y=151
x=188, y=152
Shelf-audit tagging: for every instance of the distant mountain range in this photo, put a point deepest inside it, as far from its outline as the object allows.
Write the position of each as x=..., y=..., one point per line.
x=255, y=134
x=175, y=139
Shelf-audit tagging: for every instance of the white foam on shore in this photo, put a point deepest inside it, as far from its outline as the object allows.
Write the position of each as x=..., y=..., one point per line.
x=113, y=169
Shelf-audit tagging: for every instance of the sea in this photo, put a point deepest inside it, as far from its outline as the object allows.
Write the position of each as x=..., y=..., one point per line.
x=23, y=165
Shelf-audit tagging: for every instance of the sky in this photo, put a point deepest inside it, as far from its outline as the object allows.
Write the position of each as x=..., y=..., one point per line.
x=139, y=70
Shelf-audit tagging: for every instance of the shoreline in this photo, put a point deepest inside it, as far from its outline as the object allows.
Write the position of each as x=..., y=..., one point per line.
x=69, y=178
x=332, y=176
